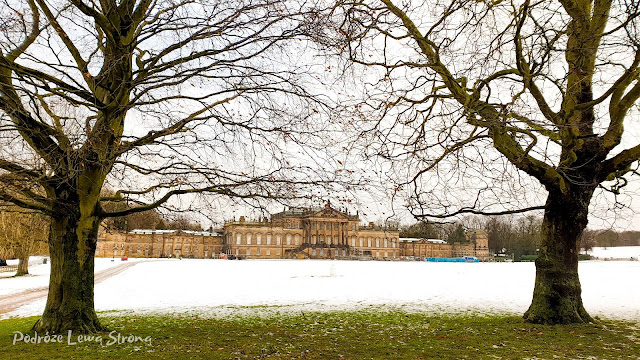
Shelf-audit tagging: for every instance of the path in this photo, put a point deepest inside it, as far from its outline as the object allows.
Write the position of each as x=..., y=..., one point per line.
x=11, y=302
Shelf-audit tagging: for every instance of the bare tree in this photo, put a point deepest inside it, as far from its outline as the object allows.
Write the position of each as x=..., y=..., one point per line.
x=158, y=99
x=472, y=94
x=22, y=234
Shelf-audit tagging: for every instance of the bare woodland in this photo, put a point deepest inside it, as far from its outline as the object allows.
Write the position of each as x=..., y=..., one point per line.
x=157, y=100
x=484, y=93
x=472, y=103
x=22, y=234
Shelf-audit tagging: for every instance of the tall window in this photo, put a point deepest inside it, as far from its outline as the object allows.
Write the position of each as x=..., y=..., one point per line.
x=377, y=242
x=238, y=239
x=248, y=239
x=258, y=239
x=268, y=239
x=278, y=240
x=369, y=242
x=288, y=239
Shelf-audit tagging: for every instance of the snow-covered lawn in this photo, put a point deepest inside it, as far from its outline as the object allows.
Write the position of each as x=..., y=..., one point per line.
x=214, y=287
x=39, y=274
x=619, y=252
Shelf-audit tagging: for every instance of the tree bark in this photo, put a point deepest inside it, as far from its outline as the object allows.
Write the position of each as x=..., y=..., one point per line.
x=23, y=263
x=557, y=297
x=70, y=302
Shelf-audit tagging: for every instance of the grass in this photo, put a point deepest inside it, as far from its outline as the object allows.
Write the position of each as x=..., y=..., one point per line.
x=367, y=334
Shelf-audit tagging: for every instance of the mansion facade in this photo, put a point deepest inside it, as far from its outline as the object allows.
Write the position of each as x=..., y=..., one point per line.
x=310, y=233
x=297, y=233
x=477, y=245
x=159, y=244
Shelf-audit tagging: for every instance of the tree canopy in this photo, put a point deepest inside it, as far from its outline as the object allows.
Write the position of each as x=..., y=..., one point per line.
x=468, y=96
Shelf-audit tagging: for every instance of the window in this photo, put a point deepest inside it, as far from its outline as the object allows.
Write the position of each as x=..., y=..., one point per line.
x=361, y=242
x=386, y=243
x=258, y=251
x=313, y=239
x=353, y=227
x=288, y=239
x=377, y=242
x=353, y=241
x=278, y=240
x=238, y=239
x=248, y=239
x=369, y=242
x=297, y=239
x=329, y=240
x=268, y=239
x=248, y=251
x=258, y=239
x=268, y=252
x=321, y=226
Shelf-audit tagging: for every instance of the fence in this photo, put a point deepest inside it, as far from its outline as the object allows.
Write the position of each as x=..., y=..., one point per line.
x=8, y=268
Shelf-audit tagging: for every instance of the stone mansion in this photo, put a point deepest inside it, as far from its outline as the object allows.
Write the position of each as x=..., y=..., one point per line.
x=297, y=233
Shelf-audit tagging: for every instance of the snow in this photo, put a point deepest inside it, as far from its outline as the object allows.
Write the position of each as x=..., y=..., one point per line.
x=215, y=287
x=38, y=276
x=620, y=252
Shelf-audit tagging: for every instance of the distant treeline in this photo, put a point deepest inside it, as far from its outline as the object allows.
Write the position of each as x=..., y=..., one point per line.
x=514, y=235
x=609, y=238
x=151, y=219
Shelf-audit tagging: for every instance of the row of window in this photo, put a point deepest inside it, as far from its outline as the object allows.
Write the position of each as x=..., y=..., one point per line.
x=320, y=226
x=314, y=252
x=207, y=239
x=360, y=242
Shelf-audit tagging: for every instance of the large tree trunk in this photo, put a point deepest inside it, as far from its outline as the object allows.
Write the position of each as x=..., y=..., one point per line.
x=557, y=297
x=72, y=244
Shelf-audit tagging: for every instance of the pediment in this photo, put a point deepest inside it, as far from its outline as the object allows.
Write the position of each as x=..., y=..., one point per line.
x=330, y=213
